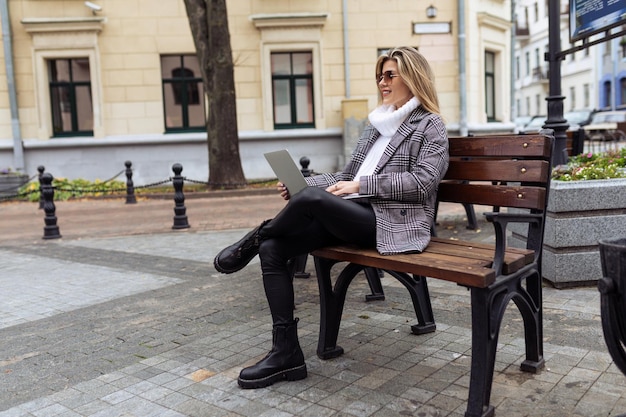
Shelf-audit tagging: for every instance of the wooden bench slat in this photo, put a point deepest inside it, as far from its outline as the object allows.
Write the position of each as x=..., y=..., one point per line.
x=467, y=271
x=513, y=259
x=537, y=146
x=450, y=242
x=501, y=171
x=493, y=195
x=510, y=256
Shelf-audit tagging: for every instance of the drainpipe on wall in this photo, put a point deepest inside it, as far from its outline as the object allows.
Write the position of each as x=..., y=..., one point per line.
x=346, y=53
x=18, y=149
x=514, y=109
x=462, y=82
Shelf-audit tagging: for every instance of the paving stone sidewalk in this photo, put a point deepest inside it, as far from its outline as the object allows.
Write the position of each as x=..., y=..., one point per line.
x=124, y=316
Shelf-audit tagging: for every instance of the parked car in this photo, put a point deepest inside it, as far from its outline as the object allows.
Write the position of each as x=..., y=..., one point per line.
x=520, y=122
x=535, y=124
x=578, y=118
x=575, y=118
x=607, y=125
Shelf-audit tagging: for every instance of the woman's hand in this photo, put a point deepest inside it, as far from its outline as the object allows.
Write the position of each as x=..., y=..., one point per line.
x=344, y=187
x=284, y=192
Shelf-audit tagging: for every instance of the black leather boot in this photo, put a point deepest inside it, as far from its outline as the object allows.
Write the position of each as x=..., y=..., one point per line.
x=284, y=361
x=234, y=257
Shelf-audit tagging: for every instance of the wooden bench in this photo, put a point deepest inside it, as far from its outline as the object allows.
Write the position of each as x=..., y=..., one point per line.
x=575, y=141
x=499, y=171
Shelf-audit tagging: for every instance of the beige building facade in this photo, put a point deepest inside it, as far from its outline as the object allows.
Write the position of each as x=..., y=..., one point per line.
x=98, y=83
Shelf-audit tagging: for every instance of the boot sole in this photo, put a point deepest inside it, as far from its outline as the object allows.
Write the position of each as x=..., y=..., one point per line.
x=291, y=374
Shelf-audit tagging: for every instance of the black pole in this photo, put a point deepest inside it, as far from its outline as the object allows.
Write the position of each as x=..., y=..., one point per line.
x=180, y=216
x=50, y=230
x=555, y=120
x=130, y=187
x=41, y=170
x=299, y=262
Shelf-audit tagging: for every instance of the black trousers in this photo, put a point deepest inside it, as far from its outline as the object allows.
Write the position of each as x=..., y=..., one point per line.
x=313, y=218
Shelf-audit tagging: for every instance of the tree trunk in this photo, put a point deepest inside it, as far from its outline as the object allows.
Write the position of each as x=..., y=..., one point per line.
x=209, y=27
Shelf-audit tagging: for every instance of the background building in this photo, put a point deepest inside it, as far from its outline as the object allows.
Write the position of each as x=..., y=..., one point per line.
x=96, y=87
x=587, y=76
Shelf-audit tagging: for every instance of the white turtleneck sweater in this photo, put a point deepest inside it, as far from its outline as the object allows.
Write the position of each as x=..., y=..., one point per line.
x=386, y=119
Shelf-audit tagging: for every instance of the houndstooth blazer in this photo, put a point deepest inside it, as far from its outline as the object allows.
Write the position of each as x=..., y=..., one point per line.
x=404, y=183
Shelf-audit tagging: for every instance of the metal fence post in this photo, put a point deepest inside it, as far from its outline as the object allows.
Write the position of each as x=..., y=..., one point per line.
x=299, y=262
x=41, y=170
x=50, y=230
x=130, y=188
x=180, y=216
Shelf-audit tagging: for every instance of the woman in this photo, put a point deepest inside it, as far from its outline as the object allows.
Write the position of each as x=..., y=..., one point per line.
x=400, y=159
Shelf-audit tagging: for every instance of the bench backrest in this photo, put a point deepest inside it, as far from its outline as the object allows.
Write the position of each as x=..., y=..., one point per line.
x=499, y=170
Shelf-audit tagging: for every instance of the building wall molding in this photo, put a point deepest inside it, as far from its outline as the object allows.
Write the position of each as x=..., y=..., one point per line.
x=58, y=38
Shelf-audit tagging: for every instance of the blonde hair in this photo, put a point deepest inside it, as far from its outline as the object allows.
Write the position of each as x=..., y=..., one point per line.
x=416, y=74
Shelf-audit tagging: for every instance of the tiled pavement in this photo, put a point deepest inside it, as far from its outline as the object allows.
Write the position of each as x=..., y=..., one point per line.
x=124, y=316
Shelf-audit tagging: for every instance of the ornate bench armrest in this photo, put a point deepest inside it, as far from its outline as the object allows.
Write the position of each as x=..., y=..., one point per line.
x=500, y=222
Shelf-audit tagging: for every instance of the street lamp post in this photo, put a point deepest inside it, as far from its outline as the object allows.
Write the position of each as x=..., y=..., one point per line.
x=555, y=119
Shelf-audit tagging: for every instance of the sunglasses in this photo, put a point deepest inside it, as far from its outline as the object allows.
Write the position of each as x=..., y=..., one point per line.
x=388, y=76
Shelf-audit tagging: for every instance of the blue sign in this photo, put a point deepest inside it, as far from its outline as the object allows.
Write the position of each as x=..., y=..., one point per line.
x=588, y=17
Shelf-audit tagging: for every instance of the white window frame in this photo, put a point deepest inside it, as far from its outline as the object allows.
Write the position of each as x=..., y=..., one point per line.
x=291, y=33
x=62, y=39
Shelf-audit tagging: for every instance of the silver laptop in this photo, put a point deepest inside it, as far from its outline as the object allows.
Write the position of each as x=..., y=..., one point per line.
x=289, y=174
x=286, y=170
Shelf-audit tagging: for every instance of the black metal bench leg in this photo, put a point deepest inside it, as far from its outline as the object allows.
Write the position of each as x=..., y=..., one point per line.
x=418, y=290
x=472, y=224
x=331, y=304
x=484, y=343
x=299, y=270
x=373, y=276
x=532, y=314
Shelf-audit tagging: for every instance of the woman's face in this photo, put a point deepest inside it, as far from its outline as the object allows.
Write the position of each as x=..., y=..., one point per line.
x=392, y=89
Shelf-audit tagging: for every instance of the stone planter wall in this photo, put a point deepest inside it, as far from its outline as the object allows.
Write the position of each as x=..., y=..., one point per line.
x=9, y=184
x=579, y=214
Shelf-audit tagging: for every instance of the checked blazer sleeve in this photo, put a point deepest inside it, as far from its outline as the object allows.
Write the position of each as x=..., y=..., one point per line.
x=404, y=183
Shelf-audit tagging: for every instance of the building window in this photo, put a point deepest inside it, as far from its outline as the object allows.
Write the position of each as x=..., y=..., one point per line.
x=539, y=111
x=517, y=68
x=292, y=89
x=622, y=90
x=70, y=97
x=490, y=86
x=536, y=10
x=586, y=96
x=527, y=56
x=528, y=112
x=607, y=93
x=526, y=17
x=183, y=93
x=537, y=73
x=572, y=96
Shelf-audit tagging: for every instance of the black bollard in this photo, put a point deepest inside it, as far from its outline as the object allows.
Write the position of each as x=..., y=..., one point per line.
x=41, y=169
x=130, y=188
x=180, y=218
x=304, y=162
x=50, y=230
x=299, y=262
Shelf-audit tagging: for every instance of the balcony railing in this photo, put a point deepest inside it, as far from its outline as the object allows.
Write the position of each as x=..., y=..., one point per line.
x=521, y=32
x=541, y=74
